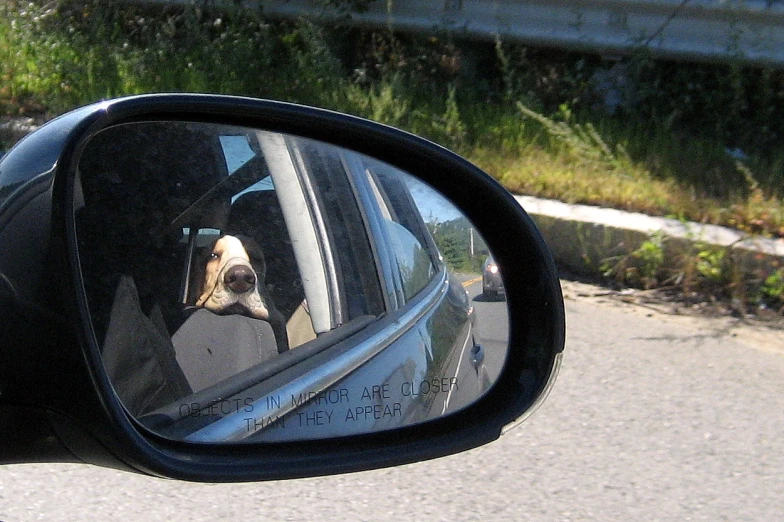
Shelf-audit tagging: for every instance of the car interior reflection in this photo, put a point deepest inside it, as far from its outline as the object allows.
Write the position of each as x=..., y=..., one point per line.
x=281, y=270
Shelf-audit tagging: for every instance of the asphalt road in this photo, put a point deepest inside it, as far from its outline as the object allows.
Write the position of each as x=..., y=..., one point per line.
x=654, y=417
x=492, y=327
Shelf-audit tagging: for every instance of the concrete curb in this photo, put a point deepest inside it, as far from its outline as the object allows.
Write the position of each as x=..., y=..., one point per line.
x=582, y=238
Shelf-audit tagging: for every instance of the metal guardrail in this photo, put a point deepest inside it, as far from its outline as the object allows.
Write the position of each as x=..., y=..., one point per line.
x=746, y=30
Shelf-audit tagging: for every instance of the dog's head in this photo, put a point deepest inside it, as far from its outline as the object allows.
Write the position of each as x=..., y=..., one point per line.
x=229, y=277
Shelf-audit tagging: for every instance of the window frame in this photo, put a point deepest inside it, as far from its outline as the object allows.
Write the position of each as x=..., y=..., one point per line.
x=353, y=252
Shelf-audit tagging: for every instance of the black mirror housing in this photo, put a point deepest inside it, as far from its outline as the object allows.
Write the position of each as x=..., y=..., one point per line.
x=57, y=402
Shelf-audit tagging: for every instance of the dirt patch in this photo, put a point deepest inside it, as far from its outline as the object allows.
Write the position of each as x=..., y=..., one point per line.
x=675, y=304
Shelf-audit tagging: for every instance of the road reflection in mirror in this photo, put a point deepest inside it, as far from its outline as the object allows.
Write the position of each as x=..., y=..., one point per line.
x=246, y=285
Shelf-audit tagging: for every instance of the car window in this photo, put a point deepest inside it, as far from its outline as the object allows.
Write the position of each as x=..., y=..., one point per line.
x=185, y=191
x=237, y=151
x=413, y=253
x=344, y=227
x=413, y=261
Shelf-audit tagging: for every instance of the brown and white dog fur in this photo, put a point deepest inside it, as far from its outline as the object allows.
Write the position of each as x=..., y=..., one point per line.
x=229, y=278
x=233, y=278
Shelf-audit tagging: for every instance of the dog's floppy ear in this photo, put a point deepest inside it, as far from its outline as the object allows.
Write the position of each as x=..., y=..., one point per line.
x=198, y=271
x=256, y=255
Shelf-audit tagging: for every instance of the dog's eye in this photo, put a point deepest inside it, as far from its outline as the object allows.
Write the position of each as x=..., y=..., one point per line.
x=213, y=255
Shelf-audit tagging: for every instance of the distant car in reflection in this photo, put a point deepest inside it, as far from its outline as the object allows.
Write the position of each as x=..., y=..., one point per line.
x=379, y=334
x=492, y=283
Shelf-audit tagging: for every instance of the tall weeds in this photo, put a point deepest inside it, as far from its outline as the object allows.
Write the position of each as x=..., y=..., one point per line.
x=642, y=135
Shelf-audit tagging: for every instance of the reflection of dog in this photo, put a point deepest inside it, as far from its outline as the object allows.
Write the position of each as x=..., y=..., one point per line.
x=230, y=278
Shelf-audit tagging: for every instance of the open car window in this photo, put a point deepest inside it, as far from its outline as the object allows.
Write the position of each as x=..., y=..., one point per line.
x=211, y=306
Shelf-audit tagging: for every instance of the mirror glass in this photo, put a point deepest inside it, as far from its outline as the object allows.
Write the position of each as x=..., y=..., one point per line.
x=247, y=286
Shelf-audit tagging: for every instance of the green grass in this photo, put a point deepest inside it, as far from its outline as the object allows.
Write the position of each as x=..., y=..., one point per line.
x=55, y=58
x=656, y=173
x=58, y=55
x=666, y=157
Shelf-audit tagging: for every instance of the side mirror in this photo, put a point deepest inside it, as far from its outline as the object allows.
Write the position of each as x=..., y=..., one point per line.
x=222, y=289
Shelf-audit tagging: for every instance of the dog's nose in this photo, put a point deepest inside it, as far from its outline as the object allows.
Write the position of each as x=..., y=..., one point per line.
x=240, y=279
